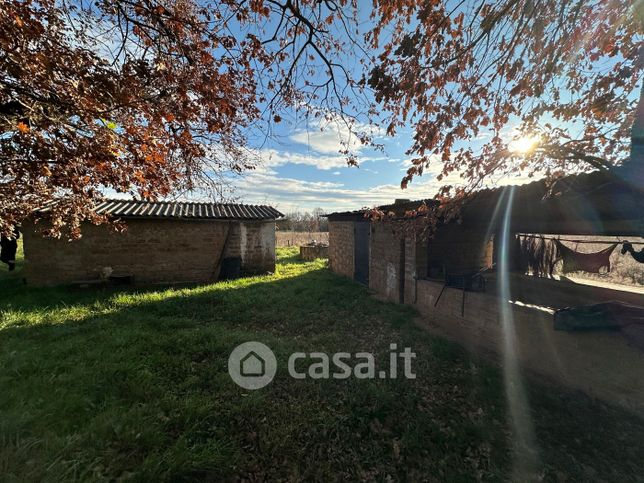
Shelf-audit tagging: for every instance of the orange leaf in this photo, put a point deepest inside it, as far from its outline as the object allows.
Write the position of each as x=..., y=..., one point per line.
x=22, y=127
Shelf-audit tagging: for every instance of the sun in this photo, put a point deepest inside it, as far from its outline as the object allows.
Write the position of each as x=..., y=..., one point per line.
x=524, y=144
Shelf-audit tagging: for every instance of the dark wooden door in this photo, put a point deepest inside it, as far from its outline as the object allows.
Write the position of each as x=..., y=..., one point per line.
x=361, y=251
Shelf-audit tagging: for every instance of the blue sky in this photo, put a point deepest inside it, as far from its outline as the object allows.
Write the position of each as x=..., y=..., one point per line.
x=302, y=169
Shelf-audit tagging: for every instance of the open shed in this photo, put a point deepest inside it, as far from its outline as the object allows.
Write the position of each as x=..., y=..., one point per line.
x=406, y=267
x=164, y=242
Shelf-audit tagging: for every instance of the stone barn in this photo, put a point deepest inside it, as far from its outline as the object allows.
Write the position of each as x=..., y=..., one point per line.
x=164, y=242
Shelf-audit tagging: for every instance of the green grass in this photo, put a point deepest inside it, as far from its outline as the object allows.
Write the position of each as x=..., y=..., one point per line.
x=133, y=385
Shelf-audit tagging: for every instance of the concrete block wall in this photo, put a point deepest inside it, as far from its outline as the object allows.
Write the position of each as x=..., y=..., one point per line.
x=341, y=247
x=150, y=250
x=603, y=364
x=387, y=247
x=257, y=246
x=311, y=252
x=456, y=247
x=396, y=254
x=414, y=258
x=421, y=256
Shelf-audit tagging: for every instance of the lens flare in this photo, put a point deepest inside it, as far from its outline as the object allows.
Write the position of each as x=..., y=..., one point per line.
x=525, y=448
x=524, y=144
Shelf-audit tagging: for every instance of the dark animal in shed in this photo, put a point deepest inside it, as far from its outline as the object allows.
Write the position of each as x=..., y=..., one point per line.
x=628, y=247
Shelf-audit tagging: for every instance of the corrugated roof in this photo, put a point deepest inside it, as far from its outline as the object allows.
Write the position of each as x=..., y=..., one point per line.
x=183, y=210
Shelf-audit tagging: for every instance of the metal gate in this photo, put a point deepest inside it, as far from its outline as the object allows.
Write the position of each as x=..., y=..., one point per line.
x=361, y=251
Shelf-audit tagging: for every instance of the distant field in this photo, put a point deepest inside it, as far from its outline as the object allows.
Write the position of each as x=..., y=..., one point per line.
x=624, y=269
x=297, y=238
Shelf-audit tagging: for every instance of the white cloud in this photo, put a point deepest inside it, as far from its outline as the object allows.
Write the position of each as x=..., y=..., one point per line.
x=265, y=185
x=289, y=194
x=328, y=141
x=332, y=135
x=273, y=158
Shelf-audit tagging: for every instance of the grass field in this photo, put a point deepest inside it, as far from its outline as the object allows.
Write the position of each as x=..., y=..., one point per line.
x=133, y=385
x=297, y=238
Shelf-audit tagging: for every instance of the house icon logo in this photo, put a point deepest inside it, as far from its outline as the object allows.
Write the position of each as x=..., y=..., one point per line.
x=252, y=365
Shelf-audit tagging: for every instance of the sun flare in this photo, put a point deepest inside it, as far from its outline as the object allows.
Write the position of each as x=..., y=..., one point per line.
x=524, y=144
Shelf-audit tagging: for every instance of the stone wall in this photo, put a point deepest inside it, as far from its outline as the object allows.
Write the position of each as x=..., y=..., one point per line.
x=341, y=247
x=150, y=250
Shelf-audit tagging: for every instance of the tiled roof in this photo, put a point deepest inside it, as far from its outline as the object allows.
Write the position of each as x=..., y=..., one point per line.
x=185, y=209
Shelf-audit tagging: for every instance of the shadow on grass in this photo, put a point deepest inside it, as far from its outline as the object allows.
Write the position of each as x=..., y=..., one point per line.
x=110, y=384
x=17, y=295
x=291, y=256
x=138, y=382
